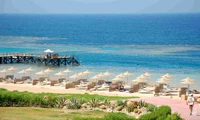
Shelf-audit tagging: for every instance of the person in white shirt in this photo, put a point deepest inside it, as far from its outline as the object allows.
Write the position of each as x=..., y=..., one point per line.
x=190, y=102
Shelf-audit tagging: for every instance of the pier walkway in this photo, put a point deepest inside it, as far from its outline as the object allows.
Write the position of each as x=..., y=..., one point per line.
x=53, y=60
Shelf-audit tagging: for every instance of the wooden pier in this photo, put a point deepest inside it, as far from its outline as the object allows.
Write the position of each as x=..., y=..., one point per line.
x=53, y=60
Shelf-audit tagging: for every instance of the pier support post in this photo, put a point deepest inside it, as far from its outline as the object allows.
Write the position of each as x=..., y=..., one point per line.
x=45, y=61
x=0, y=60
x=58, y=62
x=11, y=59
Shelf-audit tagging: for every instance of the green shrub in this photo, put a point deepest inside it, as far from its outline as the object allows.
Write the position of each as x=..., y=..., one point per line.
x=26, y=99
x=60, y=102
x=150, y=107
x=110, y=116
x=118, y=116
x=141, y=103
x=121, y=103
x=107, y=103
x=174, y=116
x=88, y=119
x=130, y=108
x=47, y=100
x=94, y=102
x=82, y=101
x=74, y=104
x=160, y=113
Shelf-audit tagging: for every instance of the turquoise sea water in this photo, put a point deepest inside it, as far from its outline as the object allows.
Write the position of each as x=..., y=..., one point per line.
x=155, y=43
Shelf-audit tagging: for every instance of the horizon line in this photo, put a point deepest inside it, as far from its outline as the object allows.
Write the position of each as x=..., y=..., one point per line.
x=101, y=13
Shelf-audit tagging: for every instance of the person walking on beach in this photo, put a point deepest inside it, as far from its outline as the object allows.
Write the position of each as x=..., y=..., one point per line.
x=190, y=102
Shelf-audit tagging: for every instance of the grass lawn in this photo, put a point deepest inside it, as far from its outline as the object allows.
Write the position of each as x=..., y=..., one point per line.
x=32, y=113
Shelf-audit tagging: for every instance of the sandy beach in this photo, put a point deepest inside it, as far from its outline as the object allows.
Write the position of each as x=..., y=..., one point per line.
x=59, y=89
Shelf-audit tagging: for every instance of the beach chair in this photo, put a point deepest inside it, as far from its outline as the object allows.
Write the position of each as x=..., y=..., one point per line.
x=46, y=81
x=34, y=82
x=9, y=77
x=54, y=83
x=2, y=79
x=26, y=79
x=157, y=91
x=70, y=85
x=91, y=85
x=104, y=87
x=82, y=84
x=134, y=88
x=113, y=87
x=127, y=88
x=182, y=91
x=195, y=92
x=147, y=90
x=18, y=81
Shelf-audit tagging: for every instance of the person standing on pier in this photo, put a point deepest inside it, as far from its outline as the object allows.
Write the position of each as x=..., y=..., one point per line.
x=47, y=55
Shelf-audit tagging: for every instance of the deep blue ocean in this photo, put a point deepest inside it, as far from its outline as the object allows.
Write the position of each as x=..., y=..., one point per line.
x=157, y=43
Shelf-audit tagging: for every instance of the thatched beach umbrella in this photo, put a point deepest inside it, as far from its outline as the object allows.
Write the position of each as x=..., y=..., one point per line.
x=163, y=80
x=60, y=74
x=117, y=79
x=147, y=74
x=67, y=71
x=188, y=81
x=41, y=73
x=87, y=72
x=4, y=71
x=121, y=75
x=107, y=74
x=76, y=76
x=23, y=72
x=12, y=69
x=81, y=74
x=96, y=77
x=167, y=76
x=100, y=75
x=127, y=74
x=47, y=71
x=140, y=80
x=142, y=77
x=30, y=70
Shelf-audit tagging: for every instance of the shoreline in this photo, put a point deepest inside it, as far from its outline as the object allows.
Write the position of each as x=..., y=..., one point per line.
x=62, y=90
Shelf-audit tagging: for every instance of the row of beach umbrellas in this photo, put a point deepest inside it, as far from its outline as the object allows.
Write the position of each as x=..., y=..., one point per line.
x=121, y=77
x=13, y=69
